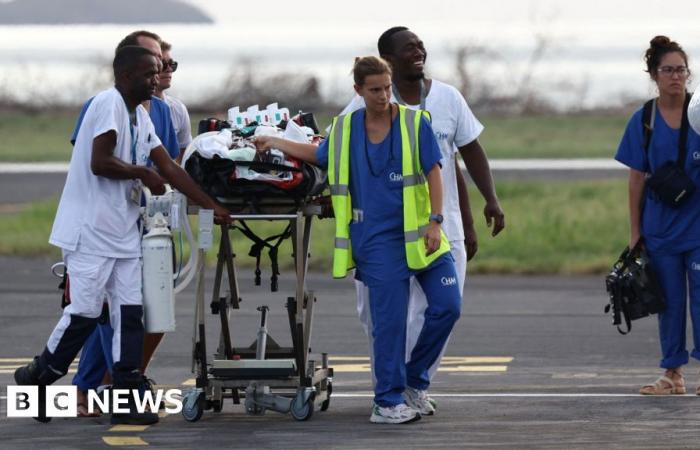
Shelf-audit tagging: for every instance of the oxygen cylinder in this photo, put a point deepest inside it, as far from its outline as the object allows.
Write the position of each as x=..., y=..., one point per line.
x=158, y=297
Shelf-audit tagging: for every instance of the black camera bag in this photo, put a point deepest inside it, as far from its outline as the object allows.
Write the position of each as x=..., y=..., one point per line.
x=633, y=288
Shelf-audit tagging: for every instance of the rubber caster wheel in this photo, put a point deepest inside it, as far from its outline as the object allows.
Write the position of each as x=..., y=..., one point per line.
x=217, y=406
x=326, y=403
x=302, y=411
x=192, y=406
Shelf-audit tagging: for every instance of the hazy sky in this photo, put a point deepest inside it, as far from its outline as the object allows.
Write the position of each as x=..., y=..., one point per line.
x=596, y=45
x=594, y=21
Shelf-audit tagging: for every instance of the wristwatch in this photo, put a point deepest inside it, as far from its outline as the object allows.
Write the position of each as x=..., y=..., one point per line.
x=437, y=218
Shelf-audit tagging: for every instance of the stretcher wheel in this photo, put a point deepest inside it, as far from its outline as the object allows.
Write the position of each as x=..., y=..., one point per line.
x=302, y=411
x=217, y=405
x=327, y=401
x=192, y=406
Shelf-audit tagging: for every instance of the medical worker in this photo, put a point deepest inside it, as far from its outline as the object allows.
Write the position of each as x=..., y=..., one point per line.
x=671, y=235
x=456, y=130
x=178, y=110
x=97, y=231
x=95, y=366
x=384, y=176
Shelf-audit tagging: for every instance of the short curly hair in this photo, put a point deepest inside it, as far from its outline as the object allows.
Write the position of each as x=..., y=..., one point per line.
x=384, y=44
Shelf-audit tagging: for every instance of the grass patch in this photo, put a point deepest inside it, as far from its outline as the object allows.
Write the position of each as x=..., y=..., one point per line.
x=551, y=227
x=555, y=227
x=27, y=232
x=36, y=137
x=552, y=136
x=44, y=137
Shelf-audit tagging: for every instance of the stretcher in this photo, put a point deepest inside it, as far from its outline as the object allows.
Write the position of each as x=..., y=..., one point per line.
x=265, y=376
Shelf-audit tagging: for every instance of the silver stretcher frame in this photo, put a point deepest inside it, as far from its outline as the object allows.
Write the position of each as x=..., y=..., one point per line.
x=288, y=379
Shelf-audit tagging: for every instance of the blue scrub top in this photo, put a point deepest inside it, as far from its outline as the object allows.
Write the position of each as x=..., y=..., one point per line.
x=665, y=230
x=377, y=236
x=162, y=122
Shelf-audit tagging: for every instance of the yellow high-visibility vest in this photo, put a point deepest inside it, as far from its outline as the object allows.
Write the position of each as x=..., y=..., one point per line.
x=416, y=197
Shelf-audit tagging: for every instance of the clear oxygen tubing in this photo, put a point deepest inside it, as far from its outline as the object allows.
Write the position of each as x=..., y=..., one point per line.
x=188, y=272
x=185, y=276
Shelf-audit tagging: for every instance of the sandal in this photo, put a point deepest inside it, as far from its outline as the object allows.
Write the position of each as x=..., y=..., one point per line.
x=664, y=386
x=84, y=412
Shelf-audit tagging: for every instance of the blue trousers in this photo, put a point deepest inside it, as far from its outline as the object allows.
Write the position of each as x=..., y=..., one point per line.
x=389, y=308
x=95, y=358
x=674, y=273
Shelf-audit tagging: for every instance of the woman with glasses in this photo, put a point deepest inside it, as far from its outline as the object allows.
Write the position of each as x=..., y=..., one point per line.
x=671, y=234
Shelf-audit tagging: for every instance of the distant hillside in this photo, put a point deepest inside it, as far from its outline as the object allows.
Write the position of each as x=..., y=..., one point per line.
x=61, y=12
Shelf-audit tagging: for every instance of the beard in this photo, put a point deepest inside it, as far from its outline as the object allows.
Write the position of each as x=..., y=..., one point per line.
x=414, y=76
x=143, y=94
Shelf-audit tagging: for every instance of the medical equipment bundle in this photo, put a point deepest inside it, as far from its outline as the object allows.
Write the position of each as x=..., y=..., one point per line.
x=264, y=375
x=226, y=164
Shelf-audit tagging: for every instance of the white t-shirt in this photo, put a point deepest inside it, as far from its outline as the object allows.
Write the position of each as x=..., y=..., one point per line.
x=181, y=120
x=454, y=125
x=97, y=215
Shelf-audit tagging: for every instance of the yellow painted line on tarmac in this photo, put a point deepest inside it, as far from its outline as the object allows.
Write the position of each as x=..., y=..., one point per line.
x=476, y=359
x=123, y=441
x=348, y=358
x=359, y=364
x=355, y=368
x=15, y=366
x=445, y=360
x=474, y=369
x=344, y=368
x=128, y=428
x=127, y=441
x=24, y=360
x=11, y=371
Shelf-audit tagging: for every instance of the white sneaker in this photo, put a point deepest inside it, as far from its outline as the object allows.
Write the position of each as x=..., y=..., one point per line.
x=400, y=413
x=420, y=401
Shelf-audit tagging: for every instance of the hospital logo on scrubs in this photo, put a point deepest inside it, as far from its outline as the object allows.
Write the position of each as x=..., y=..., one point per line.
x=448, y=281
x=393, y=176
x=695, y=266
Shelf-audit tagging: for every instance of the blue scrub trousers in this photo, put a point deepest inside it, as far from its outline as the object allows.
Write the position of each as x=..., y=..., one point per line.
x=389, y=308
x=673, y=271
x=95, y=358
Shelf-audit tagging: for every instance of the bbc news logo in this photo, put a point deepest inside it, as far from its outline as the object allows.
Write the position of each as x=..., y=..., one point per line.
x=62, y=401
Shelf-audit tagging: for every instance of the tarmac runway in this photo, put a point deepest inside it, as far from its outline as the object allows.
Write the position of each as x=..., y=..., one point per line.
x=532, y=363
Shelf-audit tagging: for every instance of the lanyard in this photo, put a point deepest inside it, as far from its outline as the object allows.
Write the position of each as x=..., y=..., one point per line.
x=401, y=101
x=134, y=136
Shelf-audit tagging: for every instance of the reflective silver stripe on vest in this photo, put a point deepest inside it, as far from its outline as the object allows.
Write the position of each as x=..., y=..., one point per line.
x=411, y=127
x=342, y=242
x=337, y=146
x=413, y=180
x=339, y=189
x=411, y=236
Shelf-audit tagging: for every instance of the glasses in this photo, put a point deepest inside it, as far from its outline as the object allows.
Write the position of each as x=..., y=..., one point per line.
x=172, y=64
x=668, y=71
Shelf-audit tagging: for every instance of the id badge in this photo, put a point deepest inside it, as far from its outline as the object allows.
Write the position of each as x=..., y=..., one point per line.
x=135, y=194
